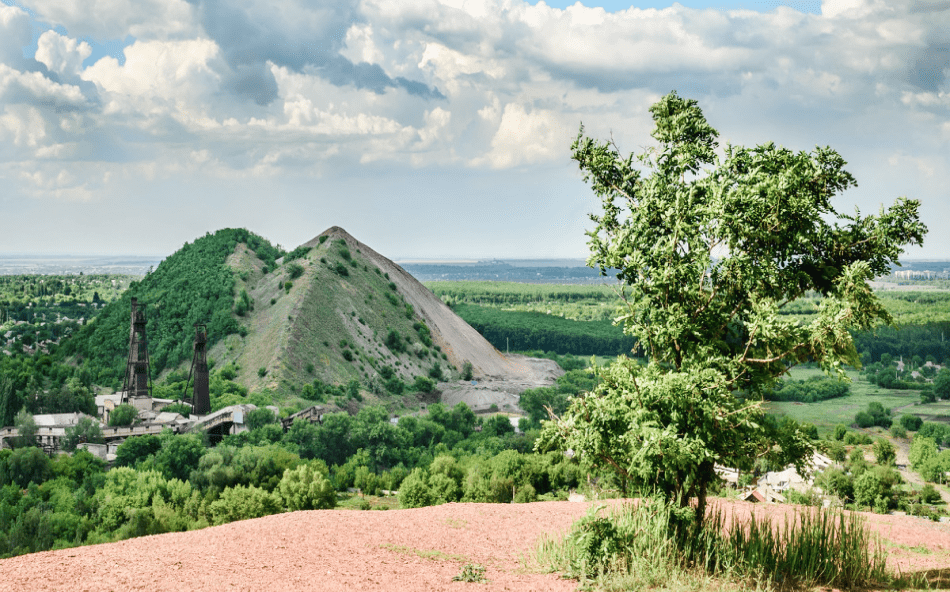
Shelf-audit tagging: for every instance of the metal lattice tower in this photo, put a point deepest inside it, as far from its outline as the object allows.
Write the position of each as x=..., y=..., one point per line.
x=201, y=397
x=137, y=384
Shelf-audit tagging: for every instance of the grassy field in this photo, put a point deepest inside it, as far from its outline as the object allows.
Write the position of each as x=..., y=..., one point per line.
x=826, y=414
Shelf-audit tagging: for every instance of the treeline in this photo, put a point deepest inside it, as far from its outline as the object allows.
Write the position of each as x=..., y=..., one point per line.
x=194, y=285
x=928, y=339
x=173, y=483
x=810, y=390
x=534, y=330
x=493, y=293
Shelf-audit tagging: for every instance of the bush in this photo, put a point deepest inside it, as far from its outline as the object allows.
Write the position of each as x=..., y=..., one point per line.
x=262, y=372
x=242, y=503
x=414, y=490
x=258, y=418
x=467, y=371
x=307, y=488
x=911, y=423
x=341, y=270
x=421, y=384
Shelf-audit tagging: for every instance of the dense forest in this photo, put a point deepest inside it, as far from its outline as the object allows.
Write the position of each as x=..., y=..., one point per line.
x=173, y=483
x=519, y=331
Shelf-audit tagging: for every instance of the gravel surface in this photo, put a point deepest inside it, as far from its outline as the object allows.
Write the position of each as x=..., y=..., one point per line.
x=402, y=550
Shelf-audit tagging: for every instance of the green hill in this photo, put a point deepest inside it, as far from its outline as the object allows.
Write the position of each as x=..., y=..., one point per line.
x=330, y=320
x=195, y=284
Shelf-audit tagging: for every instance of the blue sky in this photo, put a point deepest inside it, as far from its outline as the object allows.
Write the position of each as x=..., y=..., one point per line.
x=433, y=128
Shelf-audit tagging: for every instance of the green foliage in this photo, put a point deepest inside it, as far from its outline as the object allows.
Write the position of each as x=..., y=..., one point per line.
x=85, y=430
x=341, y=270
x=242, y=503
x=178, y=456
x=192, y=285
x=123, y=415
x=26, y=430
x=815, y=388
x=653, y=545
x=876, y=415
x=257, y=418
x=24, y=466
x=467, y=371
x=180, y=408
x=536, y=330
x=884, y=452
x=136, y=449
x=471, y=572
x=911, y=423
x=421, y=384
x=297, y=253
x=414, y=491
x=707, y=257
x=307, y=488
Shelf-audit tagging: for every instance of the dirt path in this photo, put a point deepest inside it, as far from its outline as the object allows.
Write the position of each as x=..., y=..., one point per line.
x=396, y=550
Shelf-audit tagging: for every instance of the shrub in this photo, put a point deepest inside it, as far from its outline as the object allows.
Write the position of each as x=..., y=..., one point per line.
x=348, y=355
x=911, y=423
x=307, y=488
x=258, y=418
x=898, y=431
x=262, y=372
x=323, y=239
x=394, y=342
x=414, y=490
x=421, y=384
x=242, y=503
x=467, y=371
x=341, y=270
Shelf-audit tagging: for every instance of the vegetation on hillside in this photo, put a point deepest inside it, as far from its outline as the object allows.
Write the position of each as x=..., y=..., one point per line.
x=194, y=285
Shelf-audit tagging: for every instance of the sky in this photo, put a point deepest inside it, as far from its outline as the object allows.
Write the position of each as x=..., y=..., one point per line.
x=434, y=128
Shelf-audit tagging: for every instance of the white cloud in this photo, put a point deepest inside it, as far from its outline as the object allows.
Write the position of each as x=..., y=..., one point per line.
x=61, y=54
x=15, y=32
x=176, y=78
x=525, y=137
x=116, y=19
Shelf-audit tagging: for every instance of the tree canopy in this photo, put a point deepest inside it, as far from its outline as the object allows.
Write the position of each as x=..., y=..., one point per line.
x=708, y=250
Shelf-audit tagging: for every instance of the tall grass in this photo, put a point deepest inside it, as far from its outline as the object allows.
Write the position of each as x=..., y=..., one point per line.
x=652, y=545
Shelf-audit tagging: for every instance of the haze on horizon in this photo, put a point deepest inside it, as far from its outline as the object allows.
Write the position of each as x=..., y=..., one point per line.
x=433, y=129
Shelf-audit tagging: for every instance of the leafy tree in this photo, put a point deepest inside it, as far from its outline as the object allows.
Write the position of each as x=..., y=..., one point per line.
x=922, y=449
x=178, y=456
x=257, y=418
x=123, y=415
x=242, y=503
x=942, y=384
x=26, y=429
x=135, y=449
x=911, y=423
x=707, y=259
x=85, y=430
x=307, y=488
x=884, y=452
x=414, y=492
x=27, y=465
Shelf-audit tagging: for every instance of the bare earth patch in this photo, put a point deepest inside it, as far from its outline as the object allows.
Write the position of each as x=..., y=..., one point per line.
x=407, y=550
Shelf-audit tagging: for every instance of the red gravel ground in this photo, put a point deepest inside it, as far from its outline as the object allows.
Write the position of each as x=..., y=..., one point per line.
x=401, y=550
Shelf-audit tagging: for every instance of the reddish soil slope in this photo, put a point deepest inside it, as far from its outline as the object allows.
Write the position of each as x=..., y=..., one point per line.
x=351, y=550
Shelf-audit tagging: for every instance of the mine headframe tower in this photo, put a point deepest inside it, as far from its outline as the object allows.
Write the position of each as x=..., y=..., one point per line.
x=201, y=397
x=137, y=386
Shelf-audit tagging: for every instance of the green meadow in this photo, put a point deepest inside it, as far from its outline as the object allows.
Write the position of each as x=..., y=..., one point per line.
x=826, y=414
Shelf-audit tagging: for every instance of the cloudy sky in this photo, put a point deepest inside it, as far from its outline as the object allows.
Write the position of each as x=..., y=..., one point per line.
x=433, y=128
